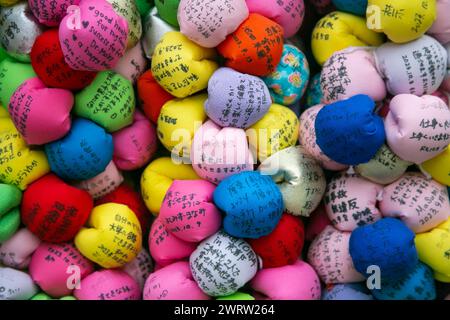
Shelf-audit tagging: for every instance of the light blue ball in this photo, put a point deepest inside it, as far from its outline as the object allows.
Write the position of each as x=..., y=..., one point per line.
x=314, y=93
x=83, y=153
x=288, y=82
x=357, y=7
x=252, y=204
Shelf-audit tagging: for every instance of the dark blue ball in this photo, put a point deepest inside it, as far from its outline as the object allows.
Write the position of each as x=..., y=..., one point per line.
x=387, y=244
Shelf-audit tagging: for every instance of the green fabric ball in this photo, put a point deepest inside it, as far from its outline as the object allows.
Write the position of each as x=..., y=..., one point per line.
x=41, y=296
x=3, y=54
x=44, y=296
x=144, y=7
x=167, y=10
x=12, y=75
x=9, y=224
x=10, y=197
x=108, y=101
x=237, y=296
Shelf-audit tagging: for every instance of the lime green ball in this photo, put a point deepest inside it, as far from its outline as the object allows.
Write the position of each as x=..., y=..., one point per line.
x=9, y=223
x=167, y=10
x=41, y=296
x=3, y=54
x=237, y=296
x=10, y=197
x=144, y=7
x=12, y=75
x=108, y=101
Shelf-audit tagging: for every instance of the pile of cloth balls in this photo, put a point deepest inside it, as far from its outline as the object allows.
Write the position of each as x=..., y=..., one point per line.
x=224, y=149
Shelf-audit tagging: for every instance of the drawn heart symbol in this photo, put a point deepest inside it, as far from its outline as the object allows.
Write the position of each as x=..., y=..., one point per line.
x=85, y=24
x=91, y=8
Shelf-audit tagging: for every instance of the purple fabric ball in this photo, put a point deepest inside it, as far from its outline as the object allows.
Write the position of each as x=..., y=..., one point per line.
x=236, y=99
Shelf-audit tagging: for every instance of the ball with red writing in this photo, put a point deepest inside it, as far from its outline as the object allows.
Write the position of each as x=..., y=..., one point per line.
x=54, y=210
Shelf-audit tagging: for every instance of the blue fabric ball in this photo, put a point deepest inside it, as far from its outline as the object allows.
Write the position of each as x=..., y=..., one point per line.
x=416, y=285
x=357, y=7
x=314, y=93
x=348, y=291
x=288, y=82
x=252, y=204
x=348, y=131
x=388, y=244
x=83, y=153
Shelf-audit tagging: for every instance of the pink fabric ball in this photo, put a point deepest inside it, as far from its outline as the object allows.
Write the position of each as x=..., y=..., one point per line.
x=108, y=284
x=416, y=127
x=209, y=22
x=297, y=281
x=50, y=265
x=188, y=211
x=165, y=248
x=350, y=201
x=345, y=74
x=288, y=14
x=174, y=282
x=136, y=144
x=420, y=203
x=218, y=153
x=99, y=42
x=330, y=257
x=41, y=114
x=18, y=250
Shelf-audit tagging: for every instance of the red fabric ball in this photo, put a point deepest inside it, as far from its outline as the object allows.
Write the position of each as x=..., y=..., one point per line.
x=124, y=194
x=255, y=47
x=48, y=62
x=284, y=245
x=53, y=210
x=317, y=222
x=152, y=96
